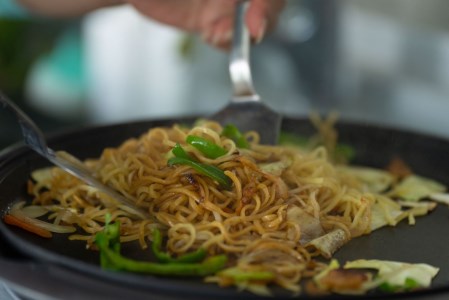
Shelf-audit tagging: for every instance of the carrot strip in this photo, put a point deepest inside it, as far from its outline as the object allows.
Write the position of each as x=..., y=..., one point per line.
x=13, y=220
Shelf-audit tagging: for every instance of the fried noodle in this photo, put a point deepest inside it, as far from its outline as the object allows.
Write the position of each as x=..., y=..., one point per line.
x=253, y=223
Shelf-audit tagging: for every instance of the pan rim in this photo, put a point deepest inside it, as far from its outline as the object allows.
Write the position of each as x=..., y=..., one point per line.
x=13, y=152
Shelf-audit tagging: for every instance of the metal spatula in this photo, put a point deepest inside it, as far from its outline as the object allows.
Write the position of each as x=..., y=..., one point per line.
x=34, y=138
x=246, y=110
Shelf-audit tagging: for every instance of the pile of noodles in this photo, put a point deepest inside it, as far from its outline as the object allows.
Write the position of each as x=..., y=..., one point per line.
x=285, y=205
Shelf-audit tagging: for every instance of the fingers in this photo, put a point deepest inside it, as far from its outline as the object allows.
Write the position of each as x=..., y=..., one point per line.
x=220, y=33
x=262, y=17
x=213, y=19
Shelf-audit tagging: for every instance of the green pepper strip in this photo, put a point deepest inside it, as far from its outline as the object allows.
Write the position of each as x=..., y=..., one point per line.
x=409, y=285
x=113, y=260
x=342, y=151
x=111, y=239
x=287, y=138
x=208, y=148
x=208, y=170
x=178, y=151
x=242, y=276
x=163, y=257
x=232, y=132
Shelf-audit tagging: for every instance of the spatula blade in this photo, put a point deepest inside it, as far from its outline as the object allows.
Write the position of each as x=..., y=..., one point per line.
x=252, y=115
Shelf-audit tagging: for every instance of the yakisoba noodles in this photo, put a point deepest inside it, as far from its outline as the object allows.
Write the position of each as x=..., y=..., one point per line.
x=285, y=205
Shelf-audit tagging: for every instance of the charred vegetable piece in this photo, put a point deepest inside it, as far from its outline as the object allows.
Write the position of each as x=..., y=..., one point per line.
x=208, y=148
x=183, y=158
x=111, y=259
x=232, y=132
x=163, y=257
x=340, y=280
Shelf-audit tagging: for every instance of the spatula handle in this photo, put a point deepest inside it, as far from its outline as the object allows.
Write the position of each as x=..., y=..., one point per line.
x=239, y=65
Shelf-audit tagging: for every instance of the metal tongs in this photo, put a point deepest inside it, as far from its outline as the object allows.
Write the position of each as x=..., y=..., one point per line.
x=34, y=138
x=246, y=110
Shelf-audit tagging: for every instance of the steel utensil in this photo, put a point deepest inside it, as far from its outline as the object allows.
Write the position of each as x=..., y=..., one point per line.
x=34, y=138
x=246, y=110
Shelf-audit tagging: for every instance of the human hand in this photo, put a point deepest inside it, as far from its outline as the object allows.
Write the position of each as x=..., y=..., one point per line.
x=212, y=19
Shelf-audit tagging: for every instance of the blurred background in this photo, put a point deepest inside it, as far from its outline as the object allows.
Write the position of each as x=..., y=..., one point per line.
x=382, y=62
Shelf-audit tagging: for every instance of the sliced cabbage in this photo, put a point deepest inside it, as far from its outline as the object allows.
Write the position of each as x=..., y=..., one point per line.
x=372, y=180
x=440, y=197
x=396, y=274
x=42, y=176
x=414, y=188
x=388, y=212
x=276, y=168
x=384, y=212
x=16, y=211
x=34, y=211
x=310, y=226
x=327, y=244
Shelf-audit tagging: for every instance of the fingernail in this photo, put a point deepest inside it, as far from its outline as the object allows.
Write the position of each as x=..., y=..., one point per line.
x=221, y=38
x=227, y=36
x=261, y=32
